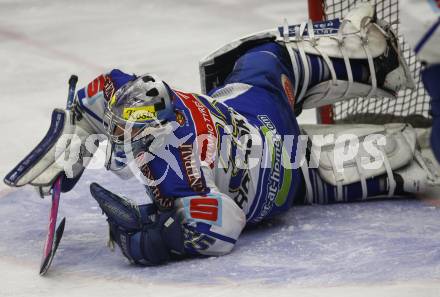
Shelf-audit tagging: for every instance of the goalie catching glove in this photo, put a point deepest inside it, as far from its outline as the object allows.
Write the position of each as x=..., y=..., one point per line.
x=145, y=235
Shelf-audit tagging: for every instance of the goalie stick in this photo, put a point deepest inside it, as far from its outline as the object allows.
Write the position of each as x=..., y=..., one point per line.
x=54, y=237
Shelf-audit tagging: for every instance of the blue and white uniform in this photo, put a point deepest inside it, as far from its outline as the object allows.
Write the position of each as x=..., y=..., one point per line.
x=229, y=178
x=230, y=158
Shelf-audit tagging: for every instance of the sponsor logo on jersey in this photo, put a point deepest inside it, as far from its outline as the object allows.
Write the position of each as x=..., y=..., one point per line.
x=163, y=203
x=95, y=86
x=192, y=170
x=180, y=117
x=277, y=189
x=240, y=148
x=109, y=88
x=204, y=125
x=205, y=209
x=288, y=90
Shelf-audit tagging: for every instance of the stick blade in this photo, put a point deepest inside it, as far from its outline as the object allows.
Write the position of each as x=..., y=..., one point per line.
x=47, y=261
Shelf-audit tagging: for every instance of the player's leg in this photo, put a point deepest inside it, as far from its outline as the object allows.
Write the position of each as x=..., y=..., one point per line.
x=329, y=61
x=408, y=182
x=268, y=67
x=359, y=37
x=362, y=162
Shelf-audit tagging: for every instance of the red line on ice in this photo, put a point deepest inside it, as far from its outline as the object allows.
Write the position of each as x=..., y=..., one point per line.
x=19, y=37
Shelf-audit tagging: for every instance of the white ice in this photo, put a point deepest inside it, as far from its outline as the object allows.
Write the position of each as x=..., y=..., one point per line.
x=386, y=248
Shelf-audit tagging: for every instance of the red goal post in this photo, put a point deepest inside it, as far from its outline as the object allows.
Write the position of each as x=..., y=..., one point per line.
x=324, y=114
x=412, y=106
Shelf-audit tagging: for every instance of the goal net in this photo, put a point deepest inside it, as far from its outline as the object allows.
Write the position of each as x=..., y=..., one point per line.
x=410, y=106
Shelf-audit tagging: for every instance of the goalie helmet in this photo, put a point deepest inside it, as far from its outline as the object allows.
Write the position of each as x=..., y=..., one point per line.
x=143, y=103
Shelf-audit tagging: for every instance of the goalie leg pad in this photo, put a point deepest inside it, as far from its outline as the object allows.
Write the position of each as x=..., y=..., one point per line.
x=325, y=193
x=348, y=154
x=358, y=36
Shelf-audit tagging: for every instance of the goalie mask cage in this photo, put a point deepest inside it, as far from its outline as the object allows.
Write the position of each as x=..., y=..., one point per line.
x=410, y=106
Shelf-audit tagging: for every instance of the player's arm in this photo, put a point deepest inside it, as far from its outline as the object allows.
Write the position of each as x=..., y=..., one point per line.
x=72, y=139
x=198, y=225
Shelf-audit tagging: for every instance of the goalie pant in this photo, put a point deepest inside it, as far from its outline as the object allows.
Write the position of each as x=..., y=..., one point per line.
x=214, y=197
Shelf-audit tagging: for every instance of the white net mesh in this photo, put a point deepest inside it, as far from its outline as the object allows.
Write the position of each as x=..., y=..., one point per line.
x=410, y=106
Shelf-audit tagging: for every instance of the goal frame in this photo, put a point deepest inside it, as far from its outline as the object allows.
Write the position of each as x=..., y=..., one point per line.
x=410, y=106
x=324, y=114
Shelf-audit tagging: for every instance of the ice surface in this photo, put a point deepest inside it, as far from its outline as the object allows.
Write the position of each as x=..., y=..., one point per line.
x=381, y=248
x=356, y=244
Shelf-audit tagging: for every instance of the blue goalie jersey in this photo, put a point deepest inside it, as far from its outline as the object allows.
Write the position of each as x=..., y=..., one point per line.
x=228, y=158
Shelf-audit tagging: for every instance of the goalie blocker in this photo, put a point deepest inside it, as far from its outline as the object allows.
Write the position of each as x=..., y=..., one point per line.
x=65, y=150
